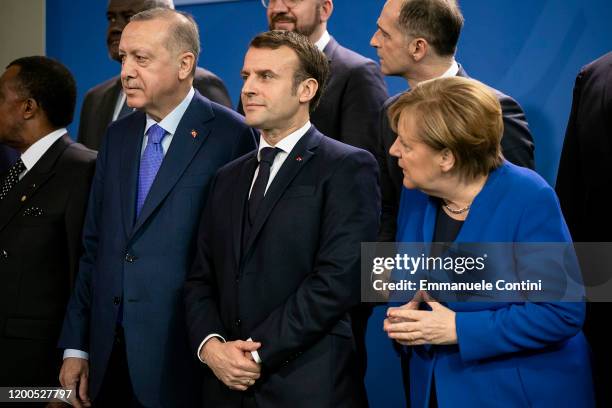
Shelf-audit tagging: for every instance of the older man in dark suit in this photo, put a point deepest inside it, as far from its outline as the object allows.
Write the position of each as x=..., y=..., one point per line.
x=124, y=331
x=583, y=182
x=106, y=102
x=417, y=40
x=43, y=197
x=278, y=263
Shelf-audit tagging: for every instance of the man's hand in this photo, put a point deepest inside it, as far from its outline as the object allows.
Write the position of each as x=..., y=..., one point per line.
x=230, y=364
x=75, y=372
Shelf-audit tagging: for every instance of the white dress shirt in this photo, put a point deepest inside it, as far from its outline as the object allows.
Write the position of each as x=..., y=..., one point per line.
x=169, y=124
x=322, y=42
x=31, y=156
x=285, y=146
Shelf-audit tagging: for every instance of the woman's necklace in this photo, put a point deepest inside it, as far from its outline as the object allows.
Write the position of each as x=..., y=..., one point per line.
x=458, y=211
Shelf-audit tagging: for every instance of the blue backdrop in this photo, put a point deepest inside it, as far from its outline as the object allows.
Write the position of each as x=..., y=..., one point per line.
x=530, y=49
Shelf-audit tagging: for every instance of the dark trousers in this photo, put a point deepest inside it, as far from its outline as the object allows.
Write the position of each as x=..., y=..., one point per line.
x=116, y=387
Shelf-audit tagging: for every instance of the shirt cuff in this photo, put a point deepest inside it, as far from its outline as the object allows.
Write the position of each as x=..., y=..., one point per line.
x=72, y=353
x=255, y=354
x=210, y=336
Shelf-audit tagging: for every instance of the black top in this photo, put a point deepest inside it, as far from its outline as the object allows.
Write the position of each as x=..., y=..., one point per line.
x=447, y=228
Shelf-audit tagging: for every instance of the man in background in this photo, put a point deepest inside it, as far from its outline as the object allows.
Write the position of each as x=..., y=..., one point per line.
x=417, y=40
x=583, y=183
x=43, y=197
x=106, y=102
x=124, y=331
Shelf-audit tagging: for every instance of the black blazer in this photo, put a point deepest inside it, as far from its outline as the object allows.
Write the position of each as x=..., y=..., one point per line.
x=7, y=157
x=292, y=285
x=583, y=183
x=100, y=101
x=40, y=244
x=517, y=147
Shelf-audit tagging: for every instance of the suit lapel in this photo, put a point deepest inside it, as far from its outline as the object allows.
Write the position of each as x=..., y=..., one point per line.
x=129, y=168
x=330, y=49
x=297, y=159
x=239, y=199
x=189, y=137
x=31, y=183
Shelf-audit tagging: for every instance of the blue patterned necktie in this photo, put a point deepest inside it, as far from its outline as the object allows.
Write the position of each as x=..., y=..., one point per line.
x=150, y=163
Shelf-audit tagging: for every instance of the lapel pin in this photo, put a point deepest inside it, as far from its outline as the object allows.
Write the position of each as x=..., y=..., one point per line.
x=23, y=198
x=194, y=133
x=298, y=158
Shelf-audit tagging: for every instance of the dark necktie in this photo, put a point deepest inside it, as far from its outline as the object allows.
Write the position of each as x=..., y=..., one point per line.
x=267, y=155
x=12, y=178
x=150, y=163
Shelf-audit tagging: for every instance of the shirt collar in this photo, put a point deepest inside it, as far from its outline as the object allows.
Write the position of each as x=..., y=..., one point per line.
x=451, y=71
x=287, y=143
x=322, y=42
x=171, y=121
x=31, y=156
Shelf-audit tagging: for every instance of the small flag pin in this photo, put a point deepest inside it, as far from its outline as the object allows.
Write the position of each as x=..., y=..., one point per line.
x=194, y=134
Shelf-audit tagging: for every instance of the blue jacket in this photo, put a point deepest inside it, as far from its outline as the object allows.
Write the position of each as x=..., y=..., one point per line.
x=142, y=262
x=508, y=354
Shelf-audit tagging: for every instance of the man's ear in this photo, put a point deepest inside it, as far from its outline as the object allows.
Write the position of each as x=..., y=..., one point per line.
x=29, y=108
x=186, y=65
x=419, y=48
x=327, y=8
x=308, y=89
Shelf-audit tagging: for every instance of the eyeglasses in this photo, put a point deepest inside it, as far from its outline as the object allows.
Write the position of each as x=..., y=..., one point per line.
x=288, y=3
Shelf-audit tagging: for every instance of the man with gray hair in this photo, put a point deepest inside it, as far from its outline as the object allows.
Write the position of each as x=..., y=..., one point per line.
x=106, y=102
x=124, y=332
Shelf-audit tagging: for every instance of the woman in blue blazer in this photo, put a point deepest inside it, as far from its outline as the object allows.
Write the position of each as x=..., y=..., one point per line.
x=460, y=189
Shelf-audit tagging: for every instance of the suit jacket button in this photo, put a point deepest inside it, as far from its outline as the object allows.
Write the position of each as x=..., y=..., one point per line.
x=116, y=300
x=4, y=254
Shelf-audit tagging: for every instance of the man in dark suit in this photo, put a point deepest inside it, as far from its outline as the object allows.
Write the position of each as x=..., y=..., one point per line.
x=8, y=156
x=349, y=108
x=43, y=197
x=583, y=182
x=277, y=266
x=417, y=40
x=124, y=330
x=105, y=102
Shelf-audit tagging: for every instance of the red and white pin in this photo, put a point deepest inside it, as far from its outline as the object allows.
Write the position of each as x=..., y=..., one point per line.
x=298, y=158
x=194, y=133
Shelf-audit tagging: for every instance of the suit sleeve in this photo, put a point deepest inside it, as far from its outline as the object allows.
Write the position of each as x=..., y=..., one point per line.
x=570, y=186
x=350, y=215
x=76, y=327
x=84, y=136
x=365, y=94
x=517, y=142
x=524, y=326
x=200, y=290
x=390, y=200
x=74, y=217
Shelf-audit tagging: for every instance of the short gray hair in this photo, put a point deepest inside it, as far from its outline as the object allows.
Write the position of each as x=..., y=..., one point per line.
x=184, y=35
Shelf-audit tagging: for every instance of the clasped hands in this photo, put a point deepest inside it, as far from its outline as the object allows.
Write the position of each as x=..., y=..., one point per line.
x=232, y=362
x=410, y=326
